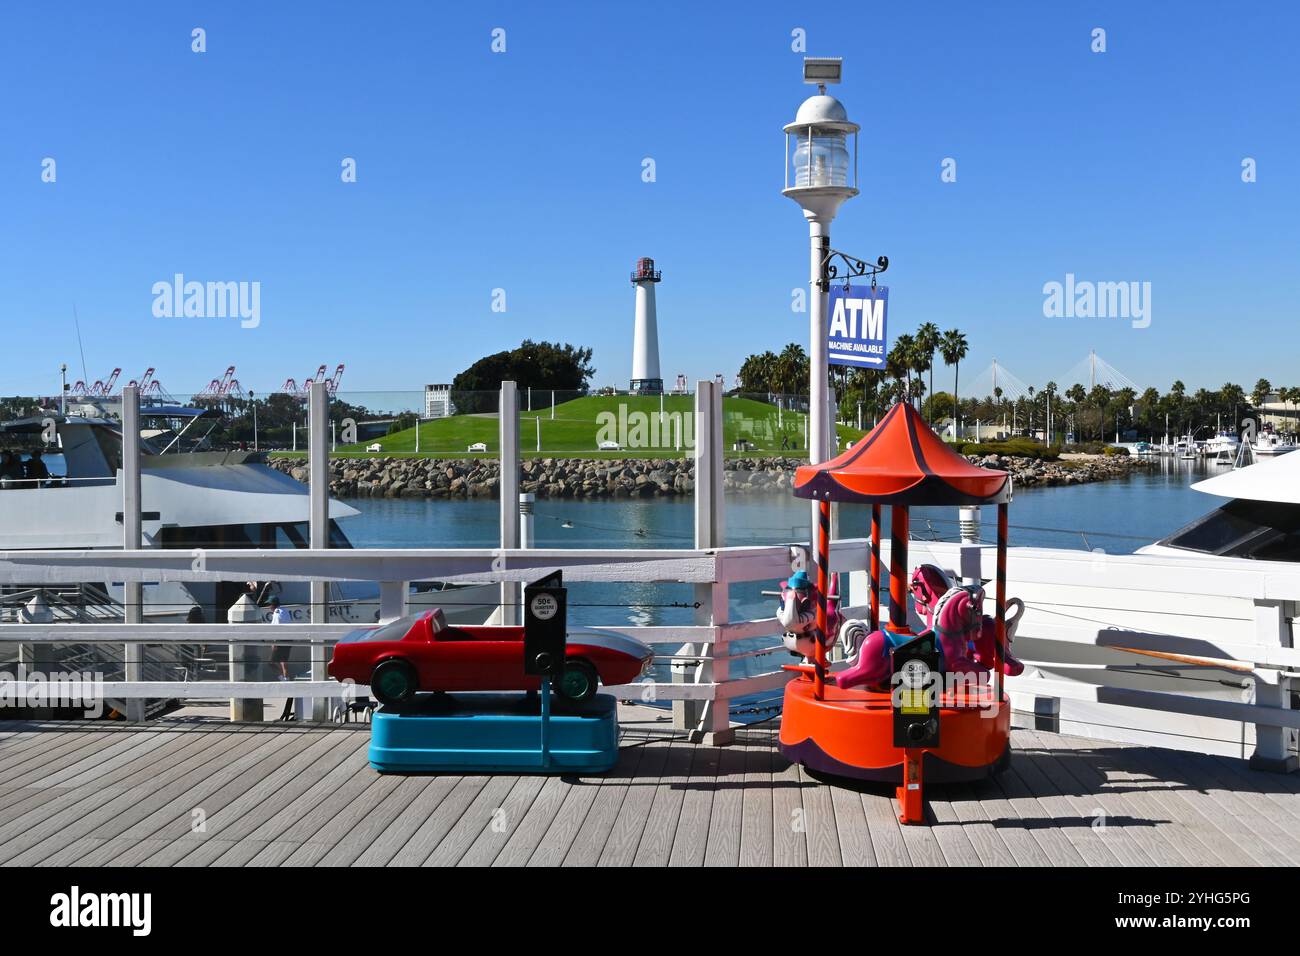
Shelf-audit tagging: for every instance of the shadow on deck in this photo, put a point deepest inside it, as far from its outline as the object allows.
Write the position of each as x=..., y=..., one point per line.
x=191, y=792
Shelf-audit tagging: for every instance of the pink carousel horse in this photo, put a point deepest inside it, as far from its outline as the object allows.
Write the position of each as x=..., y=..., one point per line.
x=967, y=636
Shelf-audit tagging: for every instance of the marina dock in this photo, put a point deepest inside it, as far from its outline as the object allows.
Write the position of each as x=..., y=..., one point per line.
x=193, y=791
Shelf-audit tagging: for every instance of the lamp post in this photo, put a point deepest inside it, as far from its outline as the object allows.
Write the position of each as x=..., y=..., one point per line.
x=254, y=407
x=820, y=175
x=63, y=388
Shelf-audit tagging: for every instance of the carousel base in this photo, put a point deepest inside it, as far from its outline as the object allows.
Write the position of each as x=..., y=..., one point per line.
x=850, y=733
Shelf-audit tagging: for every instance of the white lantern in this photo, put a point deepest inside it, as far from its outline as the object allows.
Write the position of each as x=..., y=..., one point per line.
x=820, y=165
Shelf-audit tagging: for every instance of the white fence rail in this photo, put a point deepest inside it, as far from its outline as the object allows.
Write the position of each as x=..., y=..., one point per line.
x=1089, y=616
x=1254, y=608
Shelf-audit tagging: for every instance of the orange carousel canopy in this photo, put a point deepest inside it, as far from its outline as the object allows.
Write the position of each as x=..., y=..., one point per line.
x=902, y=462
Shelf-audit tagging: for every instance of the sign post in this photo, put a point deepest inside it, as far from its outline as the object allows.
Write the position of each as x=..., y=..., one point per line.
x=915, y=700
x=545, y=638
x=856, y=330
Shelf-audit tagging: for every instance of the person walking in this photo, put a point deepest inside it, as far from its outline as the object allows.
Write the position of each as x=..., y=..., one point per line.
x=280, y=654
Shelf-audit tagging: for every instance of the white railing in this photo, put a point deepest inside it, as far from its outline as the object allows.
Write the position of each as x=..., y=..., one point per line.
x=1216, y=612
x=1100, y=631
x=1087, y=613
x=694, y=652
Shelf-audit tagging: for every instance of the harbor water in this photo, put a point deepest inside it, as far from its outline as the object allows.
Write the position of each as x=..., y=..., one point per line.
x=1117, y=516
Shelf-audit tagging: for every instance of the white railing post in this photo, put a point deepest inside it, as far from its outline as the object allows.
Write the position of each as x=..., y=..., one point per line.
x=1275, y=748
x=318, y=469
x=244, y=611
x=132, y=537
x=709, y=721
x=508, y=488
x=393, y=600
x=527, y=501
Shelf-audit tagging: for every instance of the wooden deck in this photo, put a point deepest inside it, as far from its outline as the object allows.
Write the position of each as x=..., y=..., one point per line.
x=202, y=793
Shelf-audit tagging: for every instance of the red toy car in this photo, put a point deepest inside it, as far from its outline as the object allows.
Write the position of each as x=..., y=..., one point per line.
x=421, y=653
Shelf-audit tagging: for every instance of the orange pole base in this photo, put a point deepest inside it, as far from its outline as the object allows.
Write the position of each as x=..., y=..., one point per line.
x=911, y=801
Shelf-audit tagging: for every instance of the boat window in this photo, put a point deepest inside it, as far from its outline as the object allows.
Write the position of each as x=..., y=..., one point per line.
x=110, y=446
x=211, y=536
x=299, y=534
x=291, y=535
x=55, y=464
x=1263, y=530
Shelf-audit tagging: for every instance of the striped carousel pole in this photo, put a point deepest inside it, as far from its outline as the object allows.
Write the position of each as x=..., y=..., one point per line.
x=1001, y=594
x=899, y=527
x=873, y=571
x=823, y=586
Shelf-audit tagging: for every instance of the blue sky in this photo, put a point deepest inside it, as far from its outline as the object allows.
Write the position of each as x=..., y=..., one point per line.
x=522, y=171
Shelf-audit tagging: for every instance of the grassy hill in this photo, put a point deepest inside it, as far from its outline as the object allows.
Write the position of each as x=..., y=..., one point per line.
x=631, y=420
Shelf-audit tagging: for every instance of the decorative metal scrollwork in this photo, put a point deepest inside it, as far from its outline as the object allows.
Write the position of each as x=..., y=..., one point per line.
x=854, y=268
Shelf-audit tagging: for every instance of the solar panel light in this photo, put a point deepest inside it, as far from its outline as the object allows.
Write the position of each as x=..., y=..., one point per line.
x=822, y=69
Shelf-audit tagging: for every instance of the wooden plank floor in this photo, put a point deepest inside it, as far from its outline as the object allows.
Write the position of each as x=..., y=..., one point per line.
x=204, y=793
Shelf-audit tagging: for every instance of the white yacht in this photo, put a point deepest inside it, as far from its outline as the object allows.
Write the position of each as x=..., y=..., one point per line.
x=1223, y=441
x=1270, y=442
x=192, y=499
x=1148, y=632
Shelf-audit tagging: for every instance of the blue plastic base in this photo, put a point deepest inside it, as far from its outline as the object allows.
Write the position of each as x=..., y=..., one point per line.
x=487, y=733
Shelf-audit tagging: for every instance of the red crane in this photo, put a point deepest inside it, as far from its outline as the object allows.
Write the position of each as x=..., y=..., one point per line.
x=99, y=388
x=290, y=386
x=106, y=388
x=218, y=387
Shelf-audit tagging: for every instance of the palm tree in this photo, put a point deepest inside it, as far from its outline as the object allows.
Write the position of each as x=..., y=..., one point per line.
x=899, y=360
x=953, y=347
x=1050, y=389
x=792, y=369
x=927, y=340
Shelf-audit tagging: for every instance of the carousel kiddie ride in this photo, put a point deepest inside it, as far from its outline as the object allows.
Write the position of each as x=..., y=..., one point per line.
x=910, y=707
x=445, y=690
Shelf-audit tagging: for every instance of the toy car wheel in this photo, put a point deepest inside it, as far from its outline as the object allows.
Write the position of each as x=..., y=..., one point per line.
x=393, y=682
x=578, y=682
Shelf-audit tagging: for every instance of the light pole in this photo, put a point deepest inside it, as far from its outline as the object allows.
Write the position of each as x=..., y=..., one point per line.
x=63, y=388
x=824, y=177
x=254, y=407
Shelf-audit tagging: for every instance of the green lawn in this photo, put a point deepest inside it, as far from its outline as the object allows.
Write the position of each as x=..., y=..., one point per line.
x=631, y=420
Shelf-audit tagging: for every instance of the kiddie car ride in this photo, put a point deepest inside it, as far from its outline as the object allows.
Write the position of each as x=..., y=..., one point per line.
x=422, y=653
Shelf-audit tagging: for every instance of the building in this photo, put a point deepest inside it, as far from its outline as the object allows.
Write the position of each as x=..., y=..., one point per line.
x=437, y=401
x=1281, y=415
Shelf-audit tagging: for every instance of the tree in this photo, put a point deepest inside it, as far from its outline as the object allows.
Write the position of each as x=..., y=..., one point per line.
x=953, y=347
x=1233, y=397
x=758, y=373
x=1050, y=389
x=927, y=340
x=544, y=365
x=792, y=370
x=898, y=363
x=1259, y=394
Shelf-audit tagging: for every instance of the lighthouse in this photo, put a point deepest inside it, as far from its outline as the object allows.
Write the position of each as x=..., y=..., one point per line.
x=645, y=335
